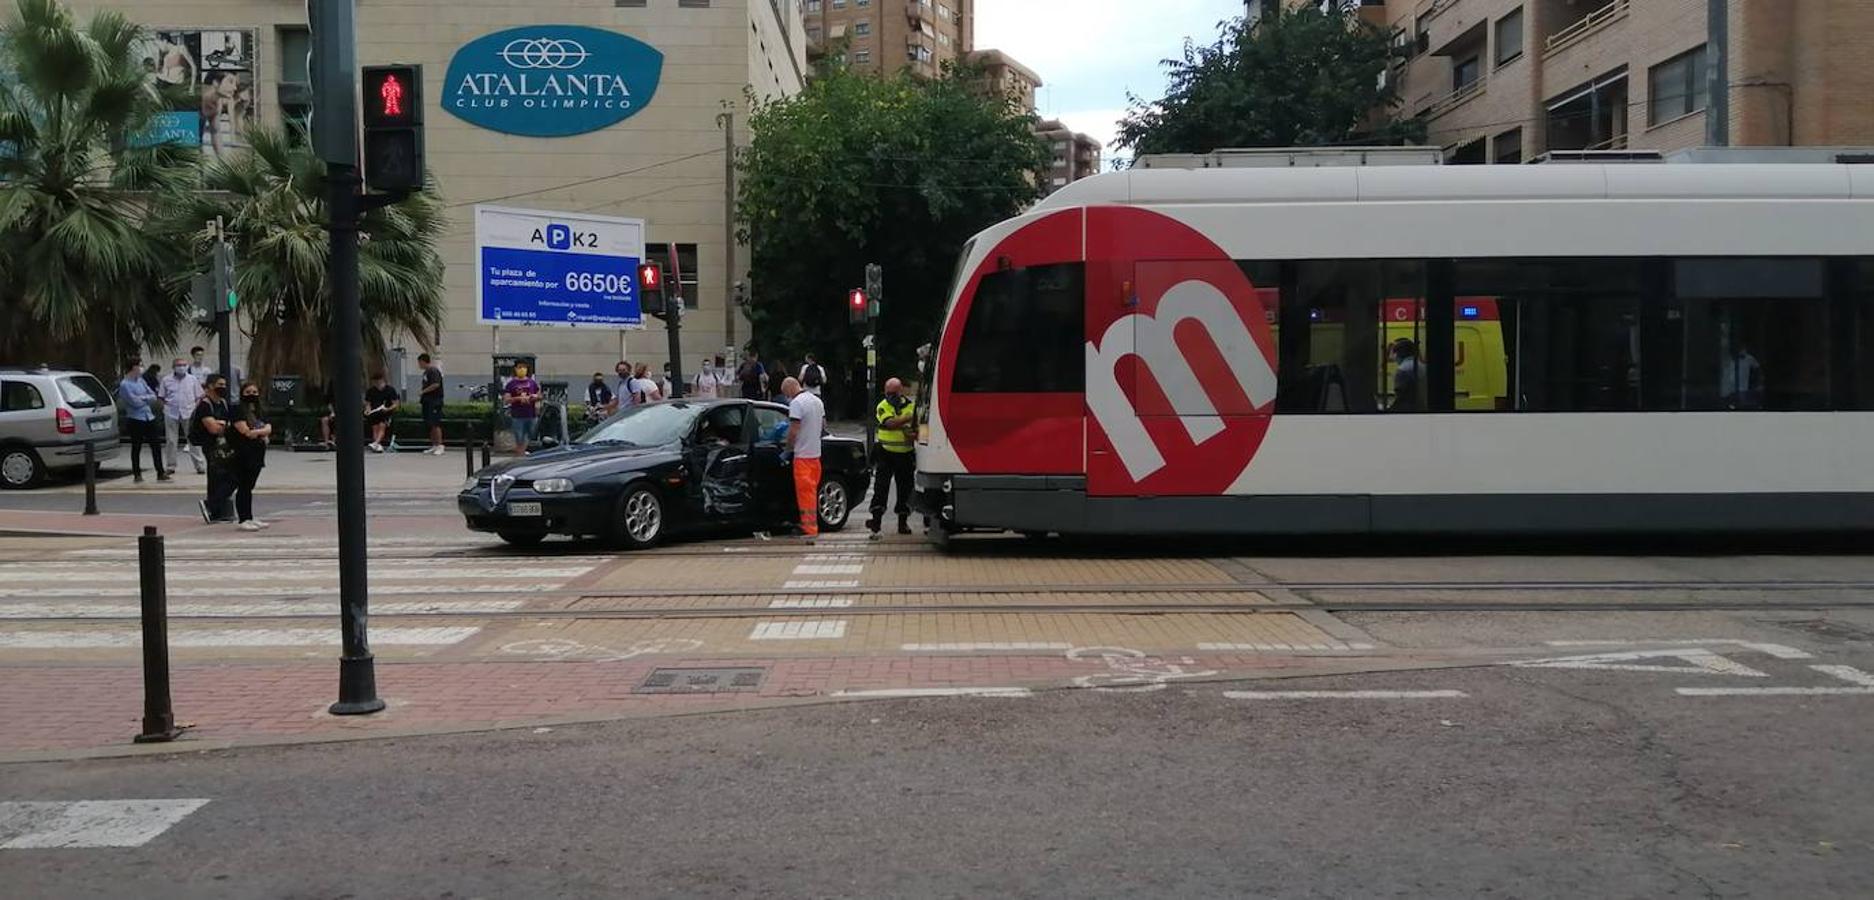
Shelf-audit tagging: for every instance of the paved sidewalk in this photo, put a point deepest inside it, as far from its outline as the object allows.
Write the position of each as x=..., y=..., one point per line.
x=76, y=710
x=287, y=471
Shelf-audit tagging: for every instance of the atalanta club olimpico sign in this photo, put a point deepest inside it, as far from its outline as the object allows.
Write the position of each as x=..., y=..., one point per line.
x=551, y=80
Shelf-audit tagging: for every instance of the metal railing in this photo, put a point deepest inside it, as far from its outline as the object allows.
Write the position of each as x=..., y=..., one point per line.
x=1617, y=142
x=1457, y=98
x=1588, y=24
x=1427, y=9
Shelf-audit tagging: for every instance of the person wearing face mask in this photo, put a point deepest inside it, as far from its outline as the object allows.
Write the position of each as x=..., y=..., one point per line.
x=181, y=392
x=598, y=398
x=142, y=422
x=523, y=399
x=251, y=433
x=211, y=427
x=894, y=462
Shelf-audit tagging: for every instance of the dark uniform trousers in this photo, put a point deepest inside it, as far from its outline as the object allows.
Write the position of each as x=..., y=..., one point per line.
x=892, y=468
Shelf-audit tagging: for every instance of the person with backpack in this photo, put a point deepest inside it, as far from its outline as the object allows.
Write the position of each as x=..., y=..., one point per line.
x=752, y=378
x=813, y=376
x=211, y=428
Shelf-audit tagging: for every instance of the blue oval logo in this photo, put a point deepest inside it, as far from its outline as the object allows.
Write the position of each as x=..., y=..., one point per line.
x=551, y=80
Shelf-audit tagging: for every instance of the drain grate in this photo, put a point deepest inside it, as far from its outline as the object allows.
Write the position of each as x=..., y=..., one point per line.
x=701, y=681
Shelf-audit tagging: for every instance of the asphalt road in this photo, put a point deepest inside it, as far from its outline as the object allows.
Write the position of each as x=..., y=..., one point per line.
x=1536, y=783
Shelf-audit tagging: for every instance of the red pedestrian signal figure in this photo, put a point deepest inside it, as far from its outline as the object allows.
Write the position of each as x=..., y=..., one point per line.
x=856, y=305
x=392, y=92
x=648, y=278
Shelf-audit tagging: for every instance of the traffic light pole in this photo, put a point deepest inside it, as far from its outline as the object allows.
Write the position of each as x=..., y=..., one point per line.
x=335, y=136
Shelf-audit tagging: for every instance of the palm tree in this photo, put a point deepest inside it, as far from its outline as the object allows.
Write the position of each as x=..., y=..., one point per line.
x=82, y=279
x=272, y=201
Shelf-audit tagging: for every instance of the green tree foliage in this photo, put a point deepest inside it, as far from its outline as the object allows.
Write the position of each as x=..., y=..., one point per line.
x=855, y=169
x=82, y=280
x=1303, y=78
x=273, y=206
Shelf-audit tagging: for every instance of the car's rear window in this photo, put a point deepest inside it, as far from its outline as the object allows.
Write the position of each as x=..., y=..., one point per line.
x=84, y=392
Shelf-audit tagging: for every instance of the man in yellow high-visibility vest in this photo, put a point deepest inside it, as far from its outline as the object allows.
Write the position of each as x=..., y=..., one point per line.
x=896, y=418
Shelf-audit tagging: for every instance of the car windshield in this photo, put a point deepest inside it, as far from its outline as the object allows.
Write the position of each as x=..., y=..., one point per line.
x=646, y=426
x=84, y=392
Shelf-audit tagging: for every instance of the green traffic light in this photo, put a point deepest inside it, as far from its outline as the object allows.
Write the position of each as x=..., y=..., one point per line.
x=234, y=299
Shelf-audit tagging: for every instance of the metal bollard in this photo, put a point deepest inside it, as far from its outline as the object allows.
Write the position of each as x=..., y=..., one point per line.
x=91, y=480
x=468, y=458
x=486, y=461
x=159, y=718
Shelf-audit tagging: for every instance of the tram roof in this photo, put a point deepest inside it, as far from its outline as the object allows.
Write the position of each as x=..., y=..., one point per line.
x=1380, y=184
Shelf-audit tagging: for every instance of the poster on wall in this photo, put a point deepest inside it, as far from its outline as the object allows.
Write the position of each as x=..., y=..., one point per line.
x=209, y=76
x=539, y=267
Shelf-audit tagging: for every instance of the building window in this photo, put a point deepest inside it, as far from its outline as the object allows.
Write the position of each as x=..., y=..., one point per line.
x=1510, y=36
x=1470, y=153
x=686, y=260
x=1465, y=73
x=944, y=13
x=839, y=4
x=862, y=28
x=1023, y=334
x=862, y=3
x=295, y=89
x=813, y=6
x=1508, y=147
x=1678, y=87
x=629, y=4
x=692, y=4
x=862, y=55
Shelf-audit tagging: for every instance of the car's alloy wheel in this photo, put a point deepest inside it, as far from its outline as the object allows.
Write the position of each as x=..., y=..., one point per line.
x=640, y=521
x=835, y=506
x=20, y=468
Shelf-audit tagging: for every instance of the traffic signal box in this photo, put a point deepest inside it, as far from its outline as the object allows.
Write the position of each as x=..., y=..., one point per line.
x=651, y=289
x=393, y=127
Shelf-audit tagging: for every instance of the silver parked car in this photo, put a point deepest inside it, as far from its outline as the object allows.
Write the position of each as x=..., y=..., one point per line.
x=46, y=418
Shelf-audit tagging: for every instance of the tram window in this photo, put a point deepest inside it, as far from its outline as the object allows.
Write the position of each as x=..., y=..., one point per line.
x=1858, y=296
x=1548, y=335
x=1023, y=335
x=1747, y=334
x=1365, y=337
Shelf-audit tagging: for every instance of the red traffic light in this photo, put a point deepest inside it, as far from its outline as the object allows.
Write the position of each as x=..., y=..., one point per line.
x=856, y=300
x=393, y=95
x=650, y=278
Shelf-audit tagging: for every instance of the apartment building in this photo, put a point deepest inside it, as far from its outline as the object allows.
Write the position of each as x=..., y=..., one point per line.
x=882, y=36
x=1076, y=155
x=663, y=163
x=1003, y=75
x=1504, y=81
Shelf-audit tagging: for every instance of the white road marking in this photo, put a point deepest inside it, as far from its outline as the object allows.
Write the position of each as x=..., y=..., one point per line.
x=817, y=569
x=835, y=558
x=37, y=825
x=940, y=692
x=812, y=603
x=803, y=630
x=813, y=585
x=275, y=610
x=1332, y=645
x=1862, y=681
x=279, y=590
x=1701, y=662
x=1345, y=695
x=1779, y=651
x=985, y=645
x=234, y=637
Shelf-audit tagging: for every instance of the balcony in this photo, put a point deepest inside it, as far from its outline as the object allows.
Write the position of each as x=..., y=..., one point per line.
x=1429, y=9
x=1458, y=97
x=1589, y=24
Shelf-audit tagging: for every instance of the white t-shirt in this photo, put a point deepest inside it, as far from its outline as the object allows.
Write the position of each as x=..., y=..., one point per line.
x=808, y=415
x=704, y=385
x=645, y=387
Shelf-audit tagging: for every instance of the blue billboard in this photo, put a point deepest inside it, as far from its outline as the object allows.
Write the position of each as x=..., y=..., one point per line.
x=551, y=80
x=536, y=267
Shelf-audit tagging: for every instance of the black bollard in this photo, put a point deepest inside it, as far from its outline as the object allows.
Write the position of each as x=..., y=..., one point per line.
x=159, y=719
x=91, y=480
x=485, y=459
x=468, y=458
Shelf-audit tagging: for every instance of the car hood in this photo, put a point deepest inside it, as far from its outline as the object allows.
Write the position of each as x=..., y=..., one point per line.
x=580, y=460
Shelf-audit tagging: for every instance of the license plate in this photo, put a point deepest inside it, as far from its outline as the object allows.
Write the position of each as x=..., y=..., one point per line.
x=104, y=425
x=523, y=509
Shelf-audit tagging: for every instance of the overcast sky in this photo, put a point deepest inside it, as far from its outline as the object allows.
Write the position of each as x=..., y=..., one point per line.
x=1090, y=53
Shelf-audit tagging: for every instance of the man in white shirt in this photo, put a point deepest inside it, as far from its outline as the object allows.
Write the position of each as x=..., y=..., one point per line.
x=806, y=422
x=181, y=391
x=703, y=386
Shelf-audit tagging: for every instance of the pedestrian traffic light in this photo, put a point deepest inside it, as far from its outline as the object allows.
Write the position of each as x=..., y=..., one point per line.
x=227, y=296
x=393, y=127
x=856, y=305
x=651, y=289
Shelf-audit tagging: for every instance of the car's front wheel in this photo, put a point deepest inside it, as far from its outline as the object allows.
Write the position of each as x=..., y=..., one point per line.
x=21, y=467
x=835, y=504
x=638, y=522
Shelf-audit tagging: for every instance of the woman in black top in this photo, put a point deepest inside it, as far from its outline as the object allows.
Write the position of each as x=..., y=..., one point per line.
x=251, y=433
